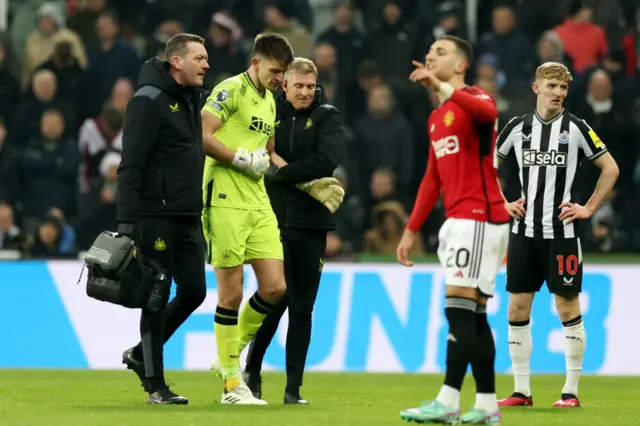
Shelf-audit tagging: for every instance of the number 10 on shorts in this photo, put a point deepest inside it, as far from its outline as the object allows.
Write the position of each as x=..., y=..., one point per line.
x=569, y=264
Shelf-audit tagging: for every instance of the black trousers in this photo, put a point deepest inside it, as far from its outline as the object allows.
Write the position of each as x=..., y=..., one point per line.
x=303, y=260
x=178, y=244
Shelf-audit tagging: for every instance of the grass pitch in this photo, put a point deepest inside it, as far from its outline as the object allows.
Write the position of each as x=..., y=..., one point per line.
x=85, y=398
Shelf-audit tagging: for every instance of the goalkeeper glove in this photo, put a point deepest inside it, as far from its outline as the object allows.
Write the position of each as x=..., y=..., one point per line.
x=255, y=164
x=326, y=190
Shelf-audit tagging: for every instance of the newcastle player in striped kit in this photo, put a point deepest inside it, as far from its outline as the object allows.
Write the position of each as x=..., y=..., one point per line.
x=549, y=145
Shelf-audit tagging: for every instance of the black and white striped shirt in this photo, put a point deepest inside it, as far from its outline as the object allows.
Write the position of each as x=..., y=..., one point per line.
x=549, y=154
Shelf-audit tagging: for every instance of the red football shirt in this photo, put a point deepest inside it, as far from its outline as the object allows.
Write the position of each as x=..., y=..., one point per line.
x=462, y=161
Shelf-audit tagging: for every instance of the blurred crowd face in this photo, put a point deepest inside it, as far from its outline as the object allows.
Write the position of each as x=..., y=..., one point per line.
x=342, y=15
x=219, y=34
x=63, y=54
x=48, y=234
x=503, y=20
x=106, y=28
x=6, y=218
x=193, y=65
x=368, y=83
x=95, y=5
x=324, y=56
x=380, y=101
x=489, y=86
x=382, y=184
x=171, y=28
x=334, y=244
x=300, y=89
x=391, y=13
x=600, y=86
x=547, y=50
x=584, y=15
x=486, y=72
x=52, y=125
x=3, y=133
x=273, y=18
x=390, y=225
x=449, y=23
x=444, y=60
x=44, y=85
x=121, y=93
x=47, y=26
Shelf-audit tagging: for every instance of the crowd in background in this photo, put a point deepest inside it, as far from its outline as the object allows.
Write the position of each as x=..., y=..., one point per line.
x=69, y=67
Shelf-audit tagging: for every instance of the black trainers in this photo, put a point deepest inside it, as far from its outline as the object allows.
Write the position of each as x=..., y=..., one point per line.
x=254, y=383
x=165, y=396
x=294, y=398
x=133, y=364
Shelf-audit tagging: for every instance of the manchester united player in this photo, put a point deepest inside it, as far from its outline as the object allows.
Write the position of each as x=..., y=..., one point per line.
x=473, y=239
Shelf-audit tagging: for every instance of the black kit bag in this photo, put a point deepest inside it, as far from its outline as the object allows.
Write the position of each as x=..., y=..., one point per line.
x=109, y=257
x=119, y=274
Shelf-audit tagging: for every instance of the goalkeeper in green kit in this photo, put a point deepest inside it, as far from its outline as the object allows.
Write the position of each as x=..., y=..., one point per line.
x=238, y=126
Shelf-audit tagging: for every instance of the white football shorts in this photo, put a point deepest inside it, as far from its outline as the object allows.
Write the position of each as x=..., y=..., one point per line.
x=471, y=252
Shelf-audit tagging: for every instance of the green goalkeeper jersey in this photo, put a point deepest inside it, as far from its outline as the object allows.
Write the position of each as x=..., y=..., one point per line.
x=248, y=122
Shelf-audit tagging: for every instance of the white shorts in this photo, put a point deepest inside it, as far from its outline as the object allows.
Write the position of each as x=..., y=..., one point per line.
x=471, y=252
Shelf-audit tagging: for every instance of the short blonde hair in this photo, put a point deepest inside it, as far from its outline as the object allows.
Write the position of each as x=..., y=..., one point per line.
x=553, y=70
x=301, y=65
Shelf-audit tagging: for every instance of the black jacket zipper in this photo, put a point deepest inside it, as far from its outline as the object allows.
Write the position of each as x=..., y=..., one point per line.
x=162, y=191
x=293, y=127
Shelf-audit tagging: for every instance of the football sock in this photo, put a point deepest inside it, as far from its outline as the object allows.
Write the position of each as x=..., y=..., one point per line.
x=520, y=346
x=483, y=363
x=461, y=342
x=251, y=317
x=226, y=329
x=575, y=341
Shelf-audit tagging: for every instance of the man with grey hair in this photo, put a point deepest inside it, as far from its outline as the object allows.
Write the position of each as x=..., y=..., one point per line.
x=160, y=196
x=309, y=145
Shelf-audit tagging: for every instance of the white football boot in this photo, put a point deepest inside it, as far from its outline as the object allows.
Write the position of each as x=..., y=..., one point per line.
x=240, y=395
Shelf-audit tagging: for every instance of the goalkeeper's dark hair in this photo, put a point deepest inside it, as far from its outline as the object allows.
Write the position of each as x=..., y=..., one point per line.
x=273, y=46
x=462, y=45
x=177, y=45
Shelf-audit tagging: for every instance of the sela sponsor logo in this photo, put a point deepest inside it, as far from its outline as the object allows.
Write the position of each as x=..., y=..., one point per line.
x=532, y=157
x=446, y=146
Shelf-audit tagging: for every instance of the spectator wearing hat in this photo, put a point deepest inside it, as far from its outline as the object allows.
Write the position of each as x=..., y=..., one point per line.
x=41, y=43
x=227, y=55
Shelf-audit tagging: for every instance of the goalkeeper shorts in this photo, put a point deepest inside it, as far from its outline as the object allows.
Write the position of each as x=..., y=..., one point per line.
x=237, y=236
